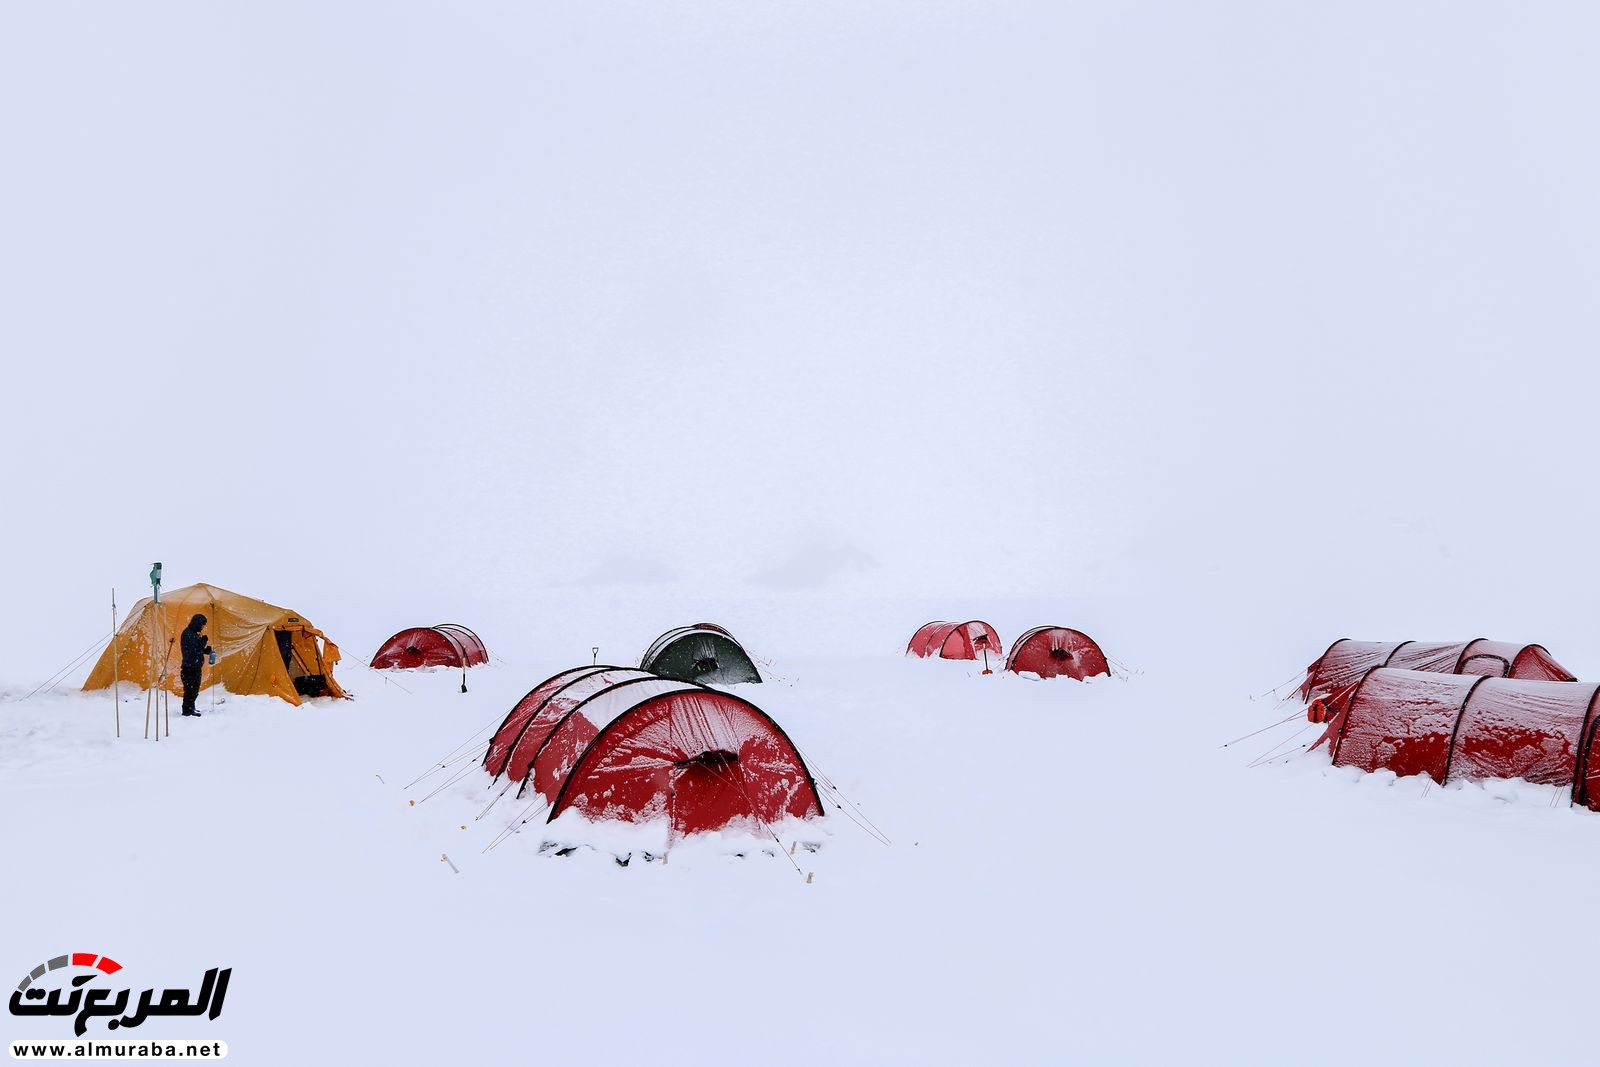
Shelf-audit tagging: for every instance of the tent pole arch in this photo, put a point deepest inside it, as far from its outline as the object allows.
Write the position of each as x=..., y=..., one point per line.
x=1393, y=652
x=522, y=787
x=920, y=630
x=1316, y=668
x=586, y=670
x=1580, y=770
x=1505, y=664
x=1349, y=710
x=1461, y=713
x=1466, y=652
x=532, y=718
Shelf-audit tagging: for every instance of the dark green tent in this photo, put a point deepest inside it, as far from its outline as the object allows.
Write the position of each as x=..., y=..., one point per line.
x=701, y=653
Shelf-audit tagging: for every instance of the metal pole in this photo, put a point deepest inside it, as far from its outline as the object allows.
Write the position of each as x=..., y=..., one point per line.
x=116, y=677
x=156, y=672
x=166, y=699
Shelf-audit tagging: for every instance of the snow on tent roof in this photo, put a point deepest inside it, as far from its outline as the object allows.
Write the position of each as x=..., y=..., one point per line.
x=619, y=743
x=955, y=640
x=1053, y=651
x=701, y=653
x=1452, y=726
x=531, y=719
x=261, y=648
x=444, y=645
x=477, y=651
x=1346, y=661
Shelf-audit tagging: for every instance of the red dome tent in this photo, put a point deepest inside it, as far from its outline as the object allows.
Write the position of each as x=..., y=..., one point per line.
x=1346, y=661
x=955, y=640
x=444, y=645
x=1053, y=651
x=620, y=743
x=1452, y=727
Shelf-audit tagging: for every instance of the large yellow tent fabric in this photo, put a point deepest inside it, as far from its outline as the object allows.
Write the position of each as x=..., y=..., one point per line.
x=252, y=657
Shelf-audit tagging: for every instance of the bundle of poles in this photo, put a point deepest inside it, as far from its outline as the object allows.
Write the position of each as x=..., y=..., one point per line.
x=156, y=698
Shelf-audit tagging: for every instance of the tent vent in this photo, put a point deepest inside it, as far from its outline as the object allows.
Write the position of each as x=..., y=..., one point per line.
x=715, y=758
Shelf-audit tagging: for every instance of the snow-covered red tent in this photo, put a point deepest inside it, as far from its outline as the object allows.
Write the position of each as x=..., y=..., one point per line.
x=1452, y=726
x=1054, y=651
x=620, y=743
x=1346, y=661
x=955, y=640
x=444, y=645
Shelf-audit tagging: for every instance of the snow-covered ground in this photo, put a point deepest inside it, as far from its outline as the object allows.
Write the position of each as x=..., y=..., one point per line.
x=1076, y=873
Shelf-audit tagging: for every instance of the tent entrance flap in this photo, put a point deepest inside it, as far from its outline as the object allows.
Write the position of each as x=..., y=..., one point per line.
x=303, y=660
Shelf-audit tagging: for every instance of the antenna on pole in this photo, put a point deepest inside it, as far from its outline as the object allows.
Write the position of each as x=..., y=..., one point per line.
x=594, y=654
x=157, y=674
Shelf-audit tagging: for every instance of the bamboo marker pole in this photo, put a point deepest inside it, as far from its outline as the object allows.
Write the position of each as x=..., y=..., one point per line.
x=166, y=697
x=116, y=677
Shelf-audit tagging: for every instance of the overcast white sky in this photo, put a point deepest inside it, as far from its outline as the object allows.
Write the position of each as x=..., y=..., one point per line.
x=1242, y=308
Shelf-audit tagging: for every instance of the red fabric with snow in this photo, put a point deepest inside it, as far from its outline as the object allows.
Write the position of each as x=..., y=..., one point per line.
x=620, y=743
x=1347, y=661
x=956, y=640
x=477, y=651
x=420, y=646
x=1054, y=651
x=511, y=727
x=704, y=759
x=1452, y=727
x=446, y=645
x=556, y=706
x=573, y=719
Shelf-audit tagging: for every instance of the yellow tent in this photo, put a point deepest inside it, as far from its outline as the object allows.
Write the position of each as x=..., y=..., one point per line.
x=260, y=648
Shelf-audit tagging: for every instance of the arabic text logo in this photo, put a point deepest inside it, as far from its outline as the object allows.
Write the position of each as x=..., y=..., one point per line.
x=31, y=998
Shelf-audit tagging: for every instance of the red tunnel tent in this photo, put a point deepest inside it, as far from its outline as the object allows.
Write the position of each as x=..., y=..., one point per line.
x=620, y=743
x=1346, y=661
x=955, y=640
x=1054, y=651
x=1452, y=726
x=444, y=645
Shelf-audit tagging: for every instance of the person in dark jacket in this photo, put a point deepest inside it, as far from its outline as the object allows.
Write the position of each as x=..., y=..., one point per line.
x=195, y=650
